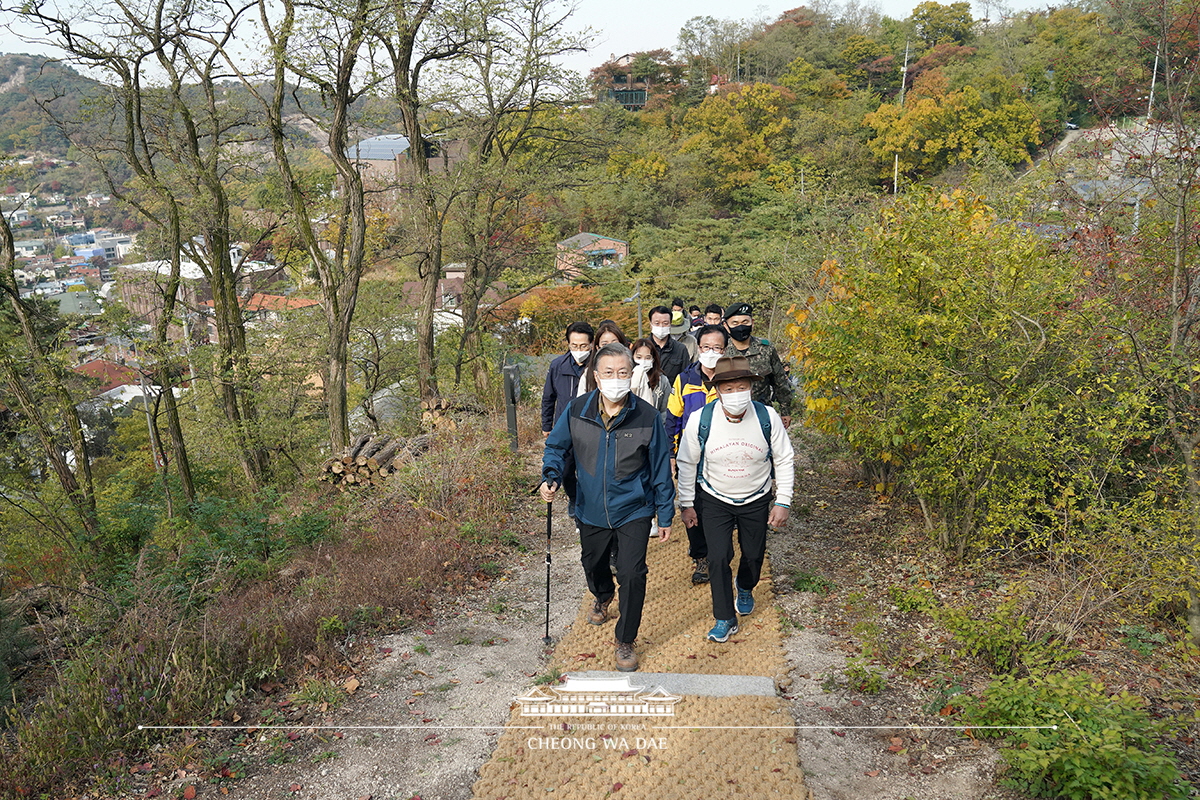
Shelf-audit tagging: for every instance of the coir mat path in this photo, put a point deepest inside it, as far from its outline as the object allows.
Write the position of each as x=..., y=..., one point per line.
x=716, y=726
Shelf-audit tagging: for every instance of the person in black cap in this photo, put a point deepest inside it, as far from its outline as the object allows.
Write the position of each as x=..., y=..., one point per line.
x=774, y=388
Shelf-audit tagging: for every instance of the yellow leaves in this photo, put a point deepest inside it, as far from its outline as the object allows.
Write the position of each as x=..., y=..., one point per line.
x=821, y=404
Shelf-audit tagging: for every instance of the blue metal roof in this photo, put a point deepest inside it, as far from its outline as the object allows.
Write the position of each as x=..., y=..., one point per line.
x=379, y=148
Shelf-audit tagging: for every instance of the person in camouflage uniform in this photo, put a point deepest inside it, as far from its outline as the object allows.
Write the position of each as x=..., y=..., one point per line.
x=775, y=388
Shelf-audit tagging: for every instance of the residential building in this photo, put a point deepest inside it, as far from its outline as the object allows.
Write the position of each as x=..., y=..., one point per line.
x=76, y=302
x=139, y=285
x=109, y=375
x=588, y=250
x=28, y=248
x=384, y=160
x=261, y=310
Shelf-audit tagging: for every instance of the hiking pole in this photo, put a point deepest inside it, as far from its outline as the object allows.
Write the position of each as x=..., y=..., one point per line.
x=546, y=640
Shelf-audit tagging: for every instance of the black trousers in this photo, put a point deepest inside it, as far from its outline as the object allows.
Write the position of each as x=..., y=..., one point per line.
x=720, y=518
x=595, y=544
x=697, y=544
x=570, y=482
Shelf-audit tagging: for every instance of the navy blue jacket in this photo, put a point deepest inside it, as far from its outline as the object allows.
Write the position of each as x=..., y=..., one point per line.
x=624, y=472
x=562, y=382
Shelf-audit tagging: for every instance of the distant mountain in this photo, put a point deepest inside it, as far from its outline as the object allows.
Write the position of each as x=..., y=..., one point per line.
x=26, y=129
x=24, y=79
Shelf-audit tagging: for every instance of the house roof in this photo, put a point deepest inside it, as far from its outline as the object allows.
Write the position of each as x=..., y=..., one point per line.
x=109, y=373
x=379, y=148
x=190, y=270
x=76, y=303
x=270, y=302
x=581, y=240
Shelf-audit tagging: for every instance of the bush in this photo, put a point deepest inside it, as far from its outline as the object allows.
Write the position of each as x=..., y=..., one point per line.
x=1104, y=746
x=1004, y=638
x=12, y=645
x=156, y=665
x=962, y=353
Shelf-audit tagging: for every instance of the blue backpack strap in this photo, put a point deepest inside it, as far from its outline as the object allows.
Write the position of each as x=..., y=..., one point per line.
x=702, y=434
x=764, y=422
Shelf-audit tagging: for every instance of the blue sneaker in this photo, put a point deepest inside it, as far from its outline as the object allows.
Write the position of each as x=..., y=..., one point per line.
x=723, y=630
x=745, y=601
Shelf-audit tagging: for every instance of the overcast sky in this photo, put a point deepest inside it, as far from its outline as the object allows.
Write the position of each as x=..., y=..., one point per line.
x=629, y=26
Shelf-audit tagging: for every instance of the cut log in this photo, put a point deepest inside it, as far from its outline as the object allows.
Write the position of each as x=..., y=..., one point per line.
x=337, y=467
x=374, y=446
x=358, y=444
x=386, y=455
x=419, y=444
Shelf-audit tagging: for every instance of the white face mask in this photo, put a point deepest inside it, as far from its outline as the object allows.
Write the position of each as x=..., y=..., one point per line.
x=580, y=356
x=735, y=402
x=614, y=389
x=660, y=331
x=644, y=362
x=709, y=360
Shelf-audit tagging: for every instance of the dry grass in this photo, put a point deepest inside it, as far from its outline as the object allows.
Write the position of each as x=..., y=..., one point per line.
x=447, y=513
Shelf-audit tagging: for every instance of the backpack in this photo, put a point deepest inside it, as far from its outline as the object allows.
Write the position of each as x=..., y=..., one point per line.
x=706, y=415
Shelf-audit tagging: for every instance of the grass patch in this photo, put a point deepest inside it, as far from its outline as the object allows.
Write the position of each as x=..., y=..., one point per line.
x=810, y=582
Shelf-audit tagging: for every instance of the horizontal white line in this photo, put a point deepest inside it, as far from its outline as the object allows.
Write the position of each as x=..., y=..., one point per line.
x=848, y=727
x=333, y=727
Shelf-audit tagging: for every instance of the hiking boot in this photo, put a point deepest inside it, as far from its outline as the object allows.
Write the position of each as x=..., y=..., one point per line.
x=701, y=573
x=723, y=630
x=599, y=612
x=745, y=601
x=627, y=660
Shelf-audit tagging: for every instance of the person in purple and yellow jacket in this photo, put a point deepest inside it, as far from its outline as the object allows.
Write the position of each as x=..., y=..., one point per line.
x=689, y=394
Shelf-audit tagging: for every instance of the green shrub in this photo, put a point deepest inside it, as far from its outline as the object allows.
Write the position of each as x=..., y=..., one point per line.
x=12, y=644
x=911, y=599
x=861, y=676
x=810, y=582
x=1104, y=746
x=154, y=667
x=1004, y=638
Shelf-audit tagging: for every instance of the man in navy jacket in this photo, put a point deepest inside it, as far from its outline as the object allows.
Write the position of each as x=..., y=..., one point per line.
x=623, y=464
x=562, y=384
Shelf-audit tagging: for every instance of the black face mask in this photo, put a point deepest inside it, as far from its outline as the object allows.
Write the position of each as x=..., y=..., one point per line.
x=741, y=332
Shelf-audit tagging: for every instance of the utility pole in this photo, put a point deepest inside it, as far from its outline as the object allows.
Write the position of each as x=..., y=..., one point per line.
x=637, y=292
x=1153, y=81
x=903, y=85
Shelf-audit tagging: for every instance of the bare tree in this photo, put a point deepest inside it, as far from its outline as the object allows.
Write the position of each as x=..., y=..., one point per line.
x=33, y=378
x=173, y=128
x=508, y=99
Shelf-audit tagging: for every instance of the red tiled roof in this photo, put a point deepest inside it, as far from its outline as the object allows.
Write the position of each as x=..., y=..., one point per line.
x=270, y=302
x=109, y=373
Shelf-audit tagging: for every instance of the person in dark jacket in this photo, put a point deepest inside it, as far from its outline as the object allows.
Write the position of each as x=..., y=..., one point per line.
x=673, y=356
x=623, y=465
x=562, y=386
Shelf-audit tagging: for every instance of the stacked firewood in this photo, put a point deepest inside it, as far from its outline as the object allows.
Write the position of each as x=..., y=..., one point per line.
x=436, y=412
x=370, y=460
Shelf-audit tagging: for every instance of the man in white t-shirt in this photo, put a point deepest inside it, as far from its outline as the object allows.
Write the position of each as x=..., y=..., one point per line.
x=730, y=453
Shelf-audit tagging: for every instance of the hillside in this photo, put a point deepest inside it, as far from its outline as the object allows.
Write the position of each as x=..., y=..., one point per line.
x=24, y=81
